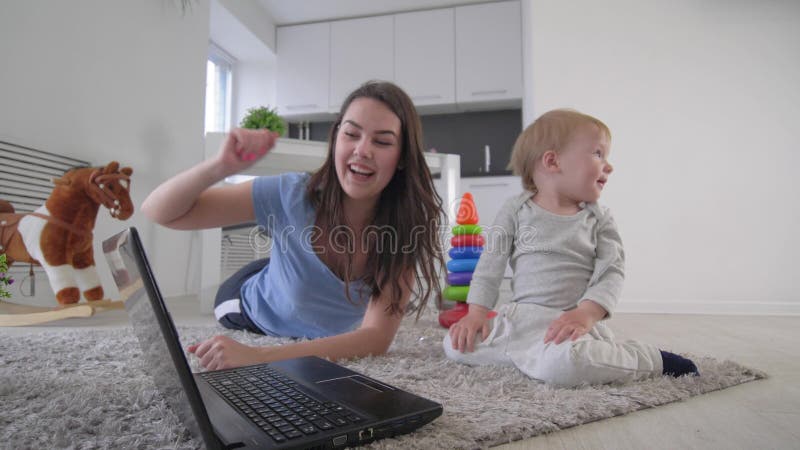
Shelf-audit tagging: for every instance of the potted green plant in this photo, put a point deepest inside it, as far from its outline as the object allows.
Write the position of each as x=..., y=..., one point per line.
x=5, y=278
x=263, y=118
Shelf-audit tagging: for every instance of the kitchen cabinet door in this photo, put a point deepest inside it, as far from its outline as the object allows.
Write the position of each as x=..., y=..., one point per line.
x=489, y=53
x=303, y=69
x=490, y=193
x=425, y=55
x=361, y=50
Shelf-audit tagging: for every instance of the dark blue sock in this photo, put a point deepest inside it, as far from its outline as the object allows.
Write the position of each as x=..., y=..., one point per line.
x=676, y=365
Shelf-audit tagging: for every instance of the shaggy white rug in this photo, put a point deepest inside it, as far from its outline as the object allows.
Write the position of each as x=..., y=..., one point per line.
x=86, y=389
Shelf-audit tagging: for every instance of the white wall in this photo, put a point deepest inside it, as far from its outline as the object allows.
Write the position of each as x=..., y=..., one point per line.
x=254, y=18
x=102, y=80
x=247, y=32
x=703, y=102
x=253, y=86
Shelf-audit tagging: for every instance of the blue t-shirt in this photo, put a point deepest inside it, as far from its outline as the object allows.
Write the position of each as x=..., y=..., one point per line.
x=296, y=294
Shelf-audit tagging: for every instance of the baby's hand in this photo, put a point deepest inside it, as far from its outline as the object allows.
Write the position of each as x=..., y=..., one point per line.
x=464, y=332
x=574, y=323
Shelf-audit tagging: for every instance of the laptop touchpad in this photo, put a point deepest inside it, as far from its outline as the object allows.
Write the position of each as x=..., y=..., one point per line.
x=355, y=382
x=360, y=392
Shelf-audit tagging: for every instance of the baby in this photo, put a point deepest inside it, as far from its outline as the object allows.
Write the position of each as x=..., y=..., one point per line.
x=568, y=264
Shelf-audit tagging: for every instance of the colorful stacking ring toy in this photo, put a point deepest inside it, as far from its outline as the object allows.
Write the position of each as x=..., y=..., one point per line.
x=467, y=244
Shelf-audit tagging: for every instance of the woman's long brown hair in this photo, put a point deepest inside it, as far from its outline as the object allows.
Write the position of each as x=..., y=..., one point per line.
x=408, y=215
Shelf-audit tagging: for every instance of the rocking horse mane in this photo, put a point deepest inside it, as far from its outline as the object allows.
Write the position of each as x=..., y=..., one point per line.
x=69, y=199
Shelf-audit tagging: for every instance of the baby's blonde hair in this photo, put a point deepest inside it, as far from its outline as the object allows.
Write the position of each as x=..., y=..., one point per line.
x=551, y=131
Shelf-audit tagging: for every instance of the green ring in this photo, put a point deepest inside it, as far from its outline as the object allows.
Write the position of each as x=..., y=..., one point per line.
x=460, y=230
x=456, y=293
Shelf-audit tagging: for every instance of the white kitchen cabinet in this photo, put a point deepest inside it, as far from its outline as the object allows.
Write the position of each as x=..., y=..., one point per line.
x=490, y=193
x=489, y=53
x=449, y=59
x=425, y=55
x=303, y=69
x=361, y=50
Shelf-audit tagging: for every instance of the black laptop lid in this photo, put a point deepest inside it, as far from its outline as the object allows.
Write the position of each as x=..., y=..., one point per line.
x=155, y=330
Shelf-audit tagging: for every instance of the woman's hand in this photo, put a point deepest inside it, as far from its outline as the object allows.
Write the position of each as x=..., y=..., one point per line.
x=464, y=332
x=222, y=352
x=243, y=147
x=574, y=323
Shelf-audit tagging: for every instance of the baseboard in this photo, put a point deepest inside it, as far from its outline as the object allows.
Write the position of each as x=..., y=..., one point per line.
x=739, y=308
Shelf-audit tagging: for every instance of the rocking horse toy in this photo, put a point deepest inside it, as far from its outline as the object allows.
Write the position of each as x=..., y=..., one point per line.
x=58, y=236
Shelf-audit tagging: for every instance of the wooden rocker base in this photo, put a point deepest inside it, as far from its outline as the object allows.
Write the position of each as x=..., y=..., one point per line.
x=16, y=315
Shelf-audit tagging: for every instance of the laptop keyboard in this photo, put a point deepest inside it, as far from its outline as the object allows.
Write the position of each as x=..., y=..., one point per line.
x=276, y=405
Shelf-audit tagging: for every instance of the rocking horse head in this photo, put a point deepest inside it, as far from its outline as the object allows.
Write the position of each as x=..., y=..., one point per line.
x=108, y=186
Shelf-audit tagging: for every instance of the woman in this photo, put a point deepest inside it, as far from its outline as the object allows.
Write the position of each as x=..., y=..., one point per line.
x=350, y=242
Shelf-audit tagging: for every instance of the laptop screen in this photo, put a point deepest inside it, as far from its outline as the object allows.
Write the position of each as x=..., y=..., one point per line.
x=162, y=355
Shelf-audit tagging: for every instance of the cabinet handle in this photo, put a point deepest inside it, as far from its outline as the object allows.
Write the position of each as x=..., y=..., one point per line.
x=310, y=105
x=426, y=97
x=488, y=185
x=494, y=92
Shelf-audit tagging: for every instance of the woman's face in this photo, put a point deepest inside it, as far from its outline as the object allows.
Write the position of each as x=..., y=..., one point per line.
x=367, y=149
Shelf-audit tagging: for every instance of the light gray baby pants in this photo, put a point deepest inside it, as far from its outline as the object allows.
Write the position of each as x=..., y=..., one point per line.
x=517, y=339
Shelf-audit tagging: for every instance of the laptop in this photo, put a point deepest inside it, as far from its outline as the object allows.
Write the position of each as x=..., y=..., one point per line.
x=296, y=403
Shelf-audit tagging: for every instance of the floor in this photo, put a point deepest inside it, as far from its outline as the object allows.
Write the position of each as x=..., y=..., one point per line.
x=759, y=415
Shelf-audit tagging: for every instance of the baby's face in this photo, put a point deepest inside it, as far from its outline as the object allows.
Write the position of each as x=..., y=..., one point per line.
x=584, y=165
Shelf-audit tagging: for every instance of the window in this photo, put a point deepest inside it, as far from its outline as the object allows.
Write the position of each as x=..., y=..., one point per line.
x=218, y=89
